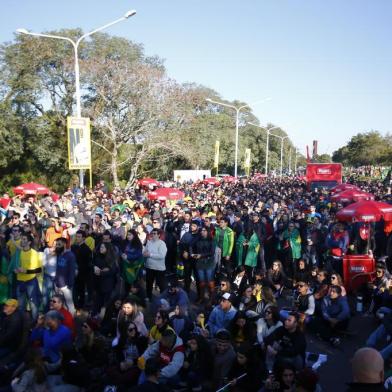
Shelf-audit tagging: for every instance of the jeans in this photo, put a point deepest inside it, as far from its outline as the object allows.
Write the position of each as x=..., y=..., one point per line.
x=206, y=275
x=67, y=293
x=47, y=290
x=29, y=292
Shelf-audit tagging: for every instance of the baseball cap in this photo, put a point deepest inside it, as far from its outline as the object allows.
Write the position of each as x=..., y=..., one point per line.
x=12, y=302
x=228, y=297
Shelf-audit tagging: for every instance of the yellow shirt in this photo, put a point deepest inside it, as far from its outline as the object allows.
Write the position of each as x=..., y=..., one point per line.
x=29, y=260
x=155, y=334
x=11, y=246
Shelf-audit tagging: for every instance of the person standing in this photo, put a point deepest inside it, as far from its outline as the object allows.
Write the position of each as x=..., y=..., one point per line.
x=27, y=270
x=65, y=272
x=155, y=253
x=224, y=239
x=83, y=280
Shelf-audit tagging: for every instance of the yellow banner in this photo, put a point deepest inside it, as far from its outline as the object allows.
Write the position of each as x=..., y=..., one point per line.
x=79, y=144
x=216, y=158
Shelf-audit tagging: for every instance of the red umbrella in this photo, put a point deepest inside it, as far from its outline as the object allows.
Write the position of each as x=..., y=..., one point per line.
x=166, y=194
x=31, y=188
x=148, y=181
x=351, y=195
x=229, y=179
x=365, y=211
x=343, y=187
x=259, y=176
x=212, y=181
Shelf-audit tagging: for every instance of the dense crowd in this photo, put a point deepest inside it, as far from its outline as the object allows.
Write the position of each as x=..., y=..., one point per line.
x=111, y=291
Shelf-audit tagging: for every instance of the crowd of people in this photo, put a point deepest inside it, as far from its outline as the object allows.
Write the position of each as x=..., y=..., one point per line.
x=111, y=291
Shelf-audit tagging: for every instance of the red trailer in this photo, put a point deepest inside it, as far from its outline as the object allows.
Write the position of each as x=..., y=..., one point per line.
x=327, y=175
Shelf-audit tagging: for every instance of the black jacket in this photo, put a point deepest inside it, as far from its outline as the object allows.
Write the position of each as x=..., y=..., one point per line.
x=10, y=330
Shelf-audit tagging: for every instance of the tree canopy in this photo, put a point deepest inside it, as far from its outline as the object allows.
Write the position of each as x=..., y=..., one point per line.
x=143, y=122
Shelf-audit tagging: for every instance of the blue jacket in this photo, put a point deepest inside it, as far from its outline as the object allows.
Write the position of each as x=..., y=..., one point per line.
x=66, y=269
x=54, y=342
x=219, y=319
x=335, y=308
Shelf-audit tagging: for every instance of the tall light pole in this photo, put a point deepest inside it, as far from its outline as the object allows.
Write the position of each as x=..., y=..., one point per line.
x=281, y=151
x=295, y=161
x=290, y=160
x=238, y=110
x=267, y=144
x=75, y=45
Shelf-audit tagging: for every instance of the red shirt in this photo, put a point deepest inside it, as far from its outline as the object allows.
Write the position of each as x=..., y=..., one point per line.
x=68, y=320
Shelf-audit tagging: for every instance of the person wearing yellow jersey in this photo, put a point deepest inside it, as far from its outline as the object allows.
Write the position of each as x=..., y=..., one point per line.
x=29, y=266
x=14, y=241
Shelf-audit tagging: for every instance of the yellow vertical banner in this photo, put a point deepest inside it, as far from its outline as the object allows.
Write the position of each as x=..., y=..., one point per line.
x=79, y=144
x=247, y=161
x=216, y=157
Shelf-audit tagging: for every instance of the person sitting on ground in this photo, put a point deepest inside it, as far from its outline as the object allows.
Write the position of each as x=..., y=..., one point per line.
x=335, y=316
x=302, y=273
x=321, y=288
x=129, y=312
x=126, y=372
x=93, y=346
x=222, y=314
x=170, y=350
x=268, y=324
x=288, y=343
x=248, y=371
x=337, y=280
x=176, y=296
x=276, y=277
x=11, y=325
x=223, y=356
x=198, y=364
x=242, y=329
x=57, y=303
x=305, y=302
x=181, y=323
x=54, y=337
x=368, y=371
x=152, y=372
x=247, y=300
x=161, y=324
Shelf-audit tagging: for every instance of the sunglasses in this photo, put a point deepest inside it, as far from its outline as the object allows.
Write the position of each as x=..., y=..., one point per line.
x=53, y=301
x=268, y=312
x=333, y=277
x=301, y=285
x=131, y=329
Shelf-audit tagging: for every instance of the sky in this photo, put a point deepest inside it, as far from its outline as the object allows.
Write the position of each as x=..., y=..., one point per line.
x=326, y=65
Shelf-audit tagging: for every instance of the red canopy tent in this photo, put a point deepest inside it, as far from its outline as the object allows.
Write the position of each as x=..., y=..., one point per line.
x=365, y=211
x=211, y=181
x=344, y=187
x=351, y=195
x=148, y=181
x=163, y=194
x=31, y=188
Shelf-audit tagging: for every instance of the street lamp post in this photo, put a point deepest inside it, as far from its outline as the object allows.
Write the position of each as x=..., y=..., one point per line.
x=295, y=162
x=267, y=143
x=238, y=110
x=281, y=151
x=75, y=46
x=290, y=160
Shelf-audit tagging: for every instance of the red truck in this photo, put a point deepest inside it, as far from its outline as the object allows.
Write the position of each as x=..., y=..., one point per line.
x=323, y=175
